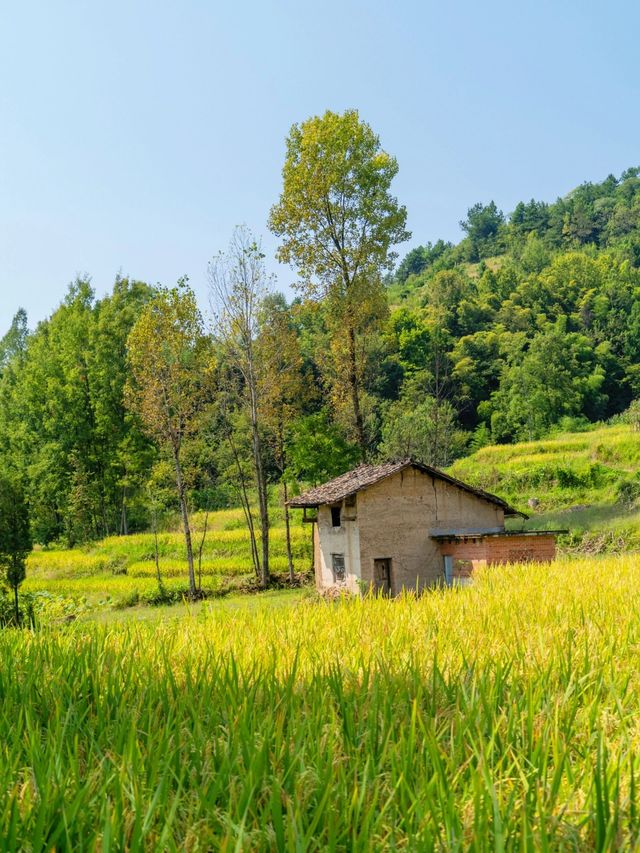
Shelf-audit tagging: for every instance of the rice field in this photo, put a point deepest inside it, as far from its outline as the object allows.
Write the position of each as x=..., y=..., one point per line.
x=120, y=570
x=588, y=467
x=502, y=716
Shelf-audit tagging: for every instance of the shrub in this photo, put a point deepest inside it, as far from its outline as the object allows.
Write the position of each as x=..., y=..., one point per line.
x=8, y=609
x=628, y=491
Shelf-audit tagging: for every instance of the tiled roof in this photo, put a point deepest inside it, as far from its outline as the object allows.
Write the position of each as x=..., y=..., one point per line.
x=366, y=475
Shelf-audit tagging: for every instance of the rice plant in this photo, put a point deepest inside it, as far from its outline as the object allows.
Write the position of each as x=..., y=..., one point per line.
x=502, y=716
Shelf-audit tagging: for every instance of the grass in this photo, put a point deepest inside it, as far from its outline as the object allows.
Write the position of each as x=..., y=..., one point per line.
x=572, y=468
x=499, y=716
x=568, y=469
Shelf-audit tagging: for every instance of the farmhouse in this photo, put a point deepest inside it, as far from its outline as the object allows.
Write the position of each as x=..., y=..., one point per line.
x=405, y=525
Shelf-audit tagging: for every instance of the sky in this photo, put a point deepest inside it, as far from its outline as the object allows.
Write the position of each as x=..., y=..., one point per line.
x=135, y=135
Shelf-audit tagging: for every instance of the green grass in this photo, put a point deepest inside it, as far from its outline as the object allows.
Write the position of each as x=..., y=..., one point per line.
x=273, y=598
x=501, y=716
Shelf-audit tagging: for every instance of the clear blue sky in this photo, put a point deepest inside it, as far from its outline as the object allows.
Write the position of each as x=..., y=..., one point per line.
x=135, y=135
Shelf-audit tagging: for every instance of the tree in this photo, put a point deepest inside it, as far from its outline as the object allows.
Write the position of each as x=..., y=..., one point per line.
x=126, y=455
x=319, y=450
x=282, y=390
x=63, y=423
x=482, y=227
x=238, y=284
x=557, y=375
x=420, y=258
x=338, y=221
x=171, y=382
x=15, y=537
x=424, y=430
x=13, y=343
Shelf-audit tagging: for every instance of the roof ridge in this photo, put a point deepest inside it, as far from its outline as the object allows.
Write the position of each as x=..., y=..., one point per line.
x=347, y=484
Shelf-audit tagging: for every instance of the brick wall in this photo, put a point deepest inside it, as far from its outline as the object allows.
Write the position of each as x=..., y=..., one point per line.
x=470, y=554
x=521, y=549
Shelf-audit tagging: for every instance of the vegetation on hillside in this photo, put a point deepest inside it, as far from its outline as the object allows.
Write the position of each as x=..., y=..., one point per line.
x=533, y=317
x=587, y=482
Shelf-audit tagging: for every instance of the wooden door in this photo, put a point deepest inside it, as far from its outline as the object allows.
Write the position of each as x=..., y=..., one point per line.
x=382, y=575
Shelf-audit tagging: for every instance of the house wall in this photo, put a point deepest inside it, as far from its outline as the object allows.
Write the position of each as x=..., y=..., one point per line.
x=396, y=515
x=341, y=540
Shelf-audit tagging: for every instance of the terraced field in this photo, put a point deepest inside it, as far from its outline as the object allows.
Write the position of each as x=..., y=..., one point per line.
x=121, y=571
x=588, y=482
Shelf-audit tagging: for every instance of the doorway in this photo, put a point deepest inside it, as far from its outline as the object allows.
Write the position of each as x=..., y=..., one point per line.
x=382, y=575
x=448, y=570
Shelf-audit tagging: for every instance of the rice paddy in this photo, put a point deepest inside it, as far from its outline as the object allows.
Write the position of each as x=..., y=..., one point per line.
x=587, y=482
x=120, y=571
x=501, y=716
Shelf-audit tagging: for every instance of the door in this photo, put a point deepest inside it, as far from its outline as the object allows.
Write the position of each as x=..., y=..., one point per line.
x=382, y=575
x=448, y=570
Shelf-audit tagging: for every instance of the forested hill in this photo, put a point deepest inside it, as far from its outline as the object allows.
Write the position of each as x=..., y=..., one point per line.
x=532, y=317
x=530, y=322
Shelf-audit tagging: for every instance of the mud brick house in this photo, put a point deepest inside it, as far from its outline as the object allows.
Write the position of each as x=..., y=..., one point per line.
x=405, y=525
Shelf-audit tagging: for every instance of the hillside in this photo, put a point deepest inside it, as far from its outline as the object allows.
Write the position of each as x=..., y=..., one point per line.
x=532, y=317
x=587, y=482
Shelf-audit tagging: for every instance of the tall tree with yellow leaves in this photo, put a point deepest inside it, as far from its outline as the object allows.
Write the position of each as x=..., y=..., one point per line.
x=338, y=221
x=171, y=367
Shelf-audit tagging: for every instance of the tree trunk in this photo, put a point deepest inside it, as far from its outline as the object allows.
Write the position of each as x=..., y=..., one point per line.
x=264, y=516
x=355, y=394
x=156, y=552
x=246, y=507
x=260, y=478
x=185, y=524
x=124, y=525
x=201, y=547
x=287, y=530
x=15, y=598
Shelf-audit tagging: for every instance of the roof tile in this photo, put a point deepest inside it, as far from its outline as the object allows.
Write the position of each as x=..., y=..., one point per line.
x=366, y=475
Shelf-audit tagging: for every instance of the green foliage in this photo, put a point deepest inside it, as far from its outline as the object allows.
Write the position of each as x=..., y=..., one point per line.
x=319, y=449
x=482, y=226
x=9, y=616
x=628, y=491
x=338, y=221
x=547, y=325
x=425, y=431
x=63, y=422
x=336, y=192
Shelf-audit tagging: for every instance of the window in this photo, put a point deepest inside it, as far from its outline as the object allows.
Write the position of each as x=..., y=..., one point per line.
x=337, y=564
x=335, y=516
